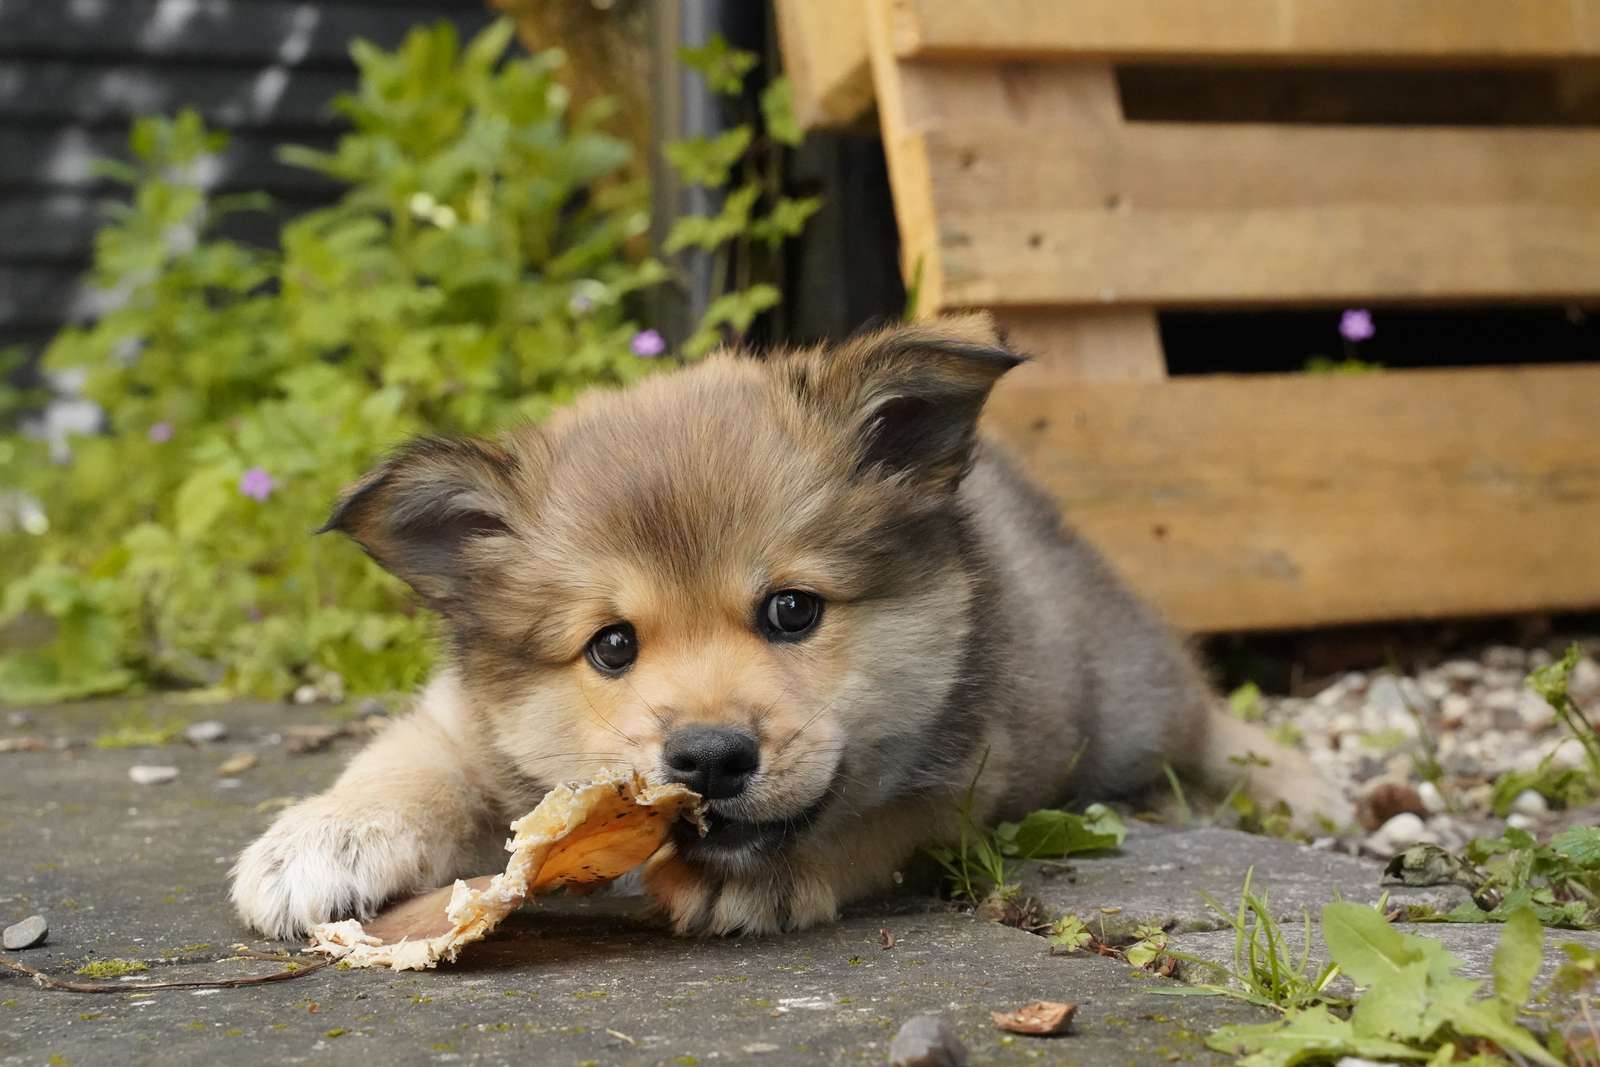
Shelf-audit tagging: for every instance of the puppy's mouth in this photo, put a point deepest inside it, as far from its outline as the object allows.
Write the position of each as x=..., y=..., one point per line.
x=726, y=838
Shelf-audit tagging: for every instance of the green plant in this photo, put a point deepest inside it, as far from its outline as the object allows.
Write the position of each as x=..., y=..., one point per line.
x=1562, y=787
x=477, y=273
x=1264, y=971
x=1559, y=882
x=755, y=218
x=1415, y=1006
x=976, y=865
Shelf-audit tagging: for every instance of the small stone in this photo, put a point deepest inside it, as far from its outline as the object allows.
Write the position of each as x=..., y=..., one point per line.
x=1384, y=799
x=1584, y=684
x=229, y=783
x=1505, y=658
x=1400, y=832
x=145, y=775
x=307, y=694
x=1460, y=671
x=237, y=763
x=759, y=1048
x=1518, y=821
x=204, y=733
x=19, y=719
x=1502, y=699
x=1431, y=798
x=1530, y=803
x=26, y=934
x=927, y=1041
x=1569, y=755
x=373, y=708
x=1454, y=709
x=1535, y=712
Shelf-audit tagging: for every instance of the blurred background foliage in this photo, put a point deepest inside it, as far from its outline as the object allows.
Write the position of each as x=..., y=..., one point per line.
x=484, y=265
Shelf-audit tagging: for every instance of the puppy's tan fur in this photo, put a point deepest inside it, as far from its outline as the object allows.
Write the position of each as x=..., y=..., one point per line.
x=962, y=623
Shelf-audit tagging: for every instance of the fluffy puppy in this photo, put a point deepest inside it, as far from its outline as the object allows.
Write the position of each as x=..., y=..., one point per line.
x=803, y=586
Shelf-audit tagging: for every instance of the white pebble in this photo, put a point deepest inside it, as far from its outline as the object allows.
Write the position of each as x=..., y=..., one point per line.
x=1401, y=831
x=145, y=775
x=1535, y=711
x=1518, y=821
x=1432, y=799
x=205, y=732
x=1529, y=803
x=1569, y=755
x=1584, y=684
x=1454, y=708
x=307, y=694
x=1502, y=699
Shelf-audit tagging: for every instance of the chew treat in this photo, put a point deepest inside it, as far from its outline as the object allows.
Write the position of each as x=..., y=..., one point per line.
x=581, y=834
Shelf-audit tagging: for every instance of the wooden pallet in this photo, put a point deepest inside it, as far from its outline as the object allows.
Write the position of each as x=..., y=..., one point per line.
x=1260, y=501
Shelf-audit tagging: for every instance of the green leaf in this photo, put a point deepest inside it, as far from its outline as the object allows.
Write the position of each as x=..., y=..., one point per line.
x=709, y=231
x=1313, y=1035
x=1245, y=702
x=1581, y=845
x=1050, y=834
x=1395, y=1006
x=777, y=109
x=1517, y=960
x=1364, y=945
x=1550, y=682
x=707, y=161
x=787, y=219
x=723, y=66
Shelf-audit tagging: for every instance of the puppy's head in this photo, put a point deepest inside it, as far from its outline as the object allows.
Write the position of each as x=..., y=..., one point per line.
x=750, y=576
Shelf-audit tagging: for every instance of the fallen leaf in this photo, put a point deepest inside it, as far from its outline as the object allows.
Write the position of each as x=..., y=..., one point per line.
x=582, y=833
x=237, y=763
x=1041, y=1018
x=885, y=938
x=23, y=744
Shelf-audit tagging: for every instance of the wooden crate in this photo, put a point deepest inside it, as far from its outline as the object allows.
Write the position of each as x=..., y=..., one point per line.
x=1260, y=501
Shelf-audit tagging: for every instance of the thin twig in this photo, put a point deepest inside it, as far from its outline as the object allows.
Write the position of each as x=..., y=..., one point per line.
x=67, y=985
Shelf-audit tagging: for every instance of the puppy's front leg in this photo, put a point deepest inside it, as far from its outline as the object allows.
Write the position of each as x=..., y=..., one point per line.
x=800, y=887
x=405, y=815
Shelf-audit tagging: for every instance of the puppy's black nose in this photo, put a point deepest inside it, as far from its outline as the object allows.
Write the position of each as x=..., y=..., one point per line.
x=714, y=761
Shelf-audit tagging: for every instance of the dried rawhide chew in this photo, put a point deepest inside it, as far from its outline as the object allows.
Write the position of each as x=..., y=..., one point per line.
x=583, y=833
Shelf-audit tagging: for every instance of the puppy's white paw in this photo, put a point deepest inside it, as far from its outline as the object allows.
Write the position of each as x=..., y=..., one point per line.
x=320, y=861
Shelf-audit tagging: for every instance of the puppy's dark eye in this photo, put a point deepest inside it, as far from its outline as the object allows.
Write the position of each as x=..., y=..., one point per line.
x=613, y=650
x=790, y=614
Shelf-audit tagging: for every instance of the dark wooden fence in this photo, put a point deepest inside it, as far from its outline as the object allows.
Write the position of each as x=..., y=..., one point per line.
x=75, y=73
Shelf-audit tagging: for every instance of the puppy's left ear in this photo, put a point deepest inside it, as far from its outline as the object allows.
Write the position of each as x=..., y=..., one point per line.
x=912, y=394
x=430, y=514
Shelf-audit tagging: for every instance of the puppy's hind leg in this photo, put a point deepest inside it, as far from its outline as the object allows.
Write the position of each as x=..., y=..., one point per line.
x=1235, y=753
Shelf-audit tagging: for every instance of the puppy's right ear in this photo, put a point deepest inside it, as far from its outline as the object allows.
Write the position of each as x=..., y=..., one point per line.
x=431, y=514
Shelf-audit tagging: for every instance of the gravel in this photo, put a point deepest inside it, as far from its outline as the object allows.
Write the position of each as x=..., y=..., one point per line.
x=927, y=1041
x=1474, y=715
x=28, y=933
x=208, y=732
x=146, y=775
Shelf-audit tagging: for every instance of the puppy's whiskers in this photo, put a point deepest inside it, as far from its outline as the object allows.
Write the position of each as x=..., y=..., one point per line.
x=634, y=741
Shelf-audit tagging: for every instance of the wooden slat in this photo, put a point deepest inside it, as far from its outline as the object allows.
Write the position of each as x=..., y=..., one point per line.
x=915, y=102
x=1355, y=31
x=1089, y=344
x=1185, y=214
x=824, y=46
x=1260, y=502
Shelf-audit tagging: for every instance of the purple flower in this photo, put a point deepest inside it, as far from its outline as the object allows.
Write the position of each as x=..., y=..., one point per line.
x=256, y=484
x=160, y=433
x=647, y=344
x=1355, y=325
